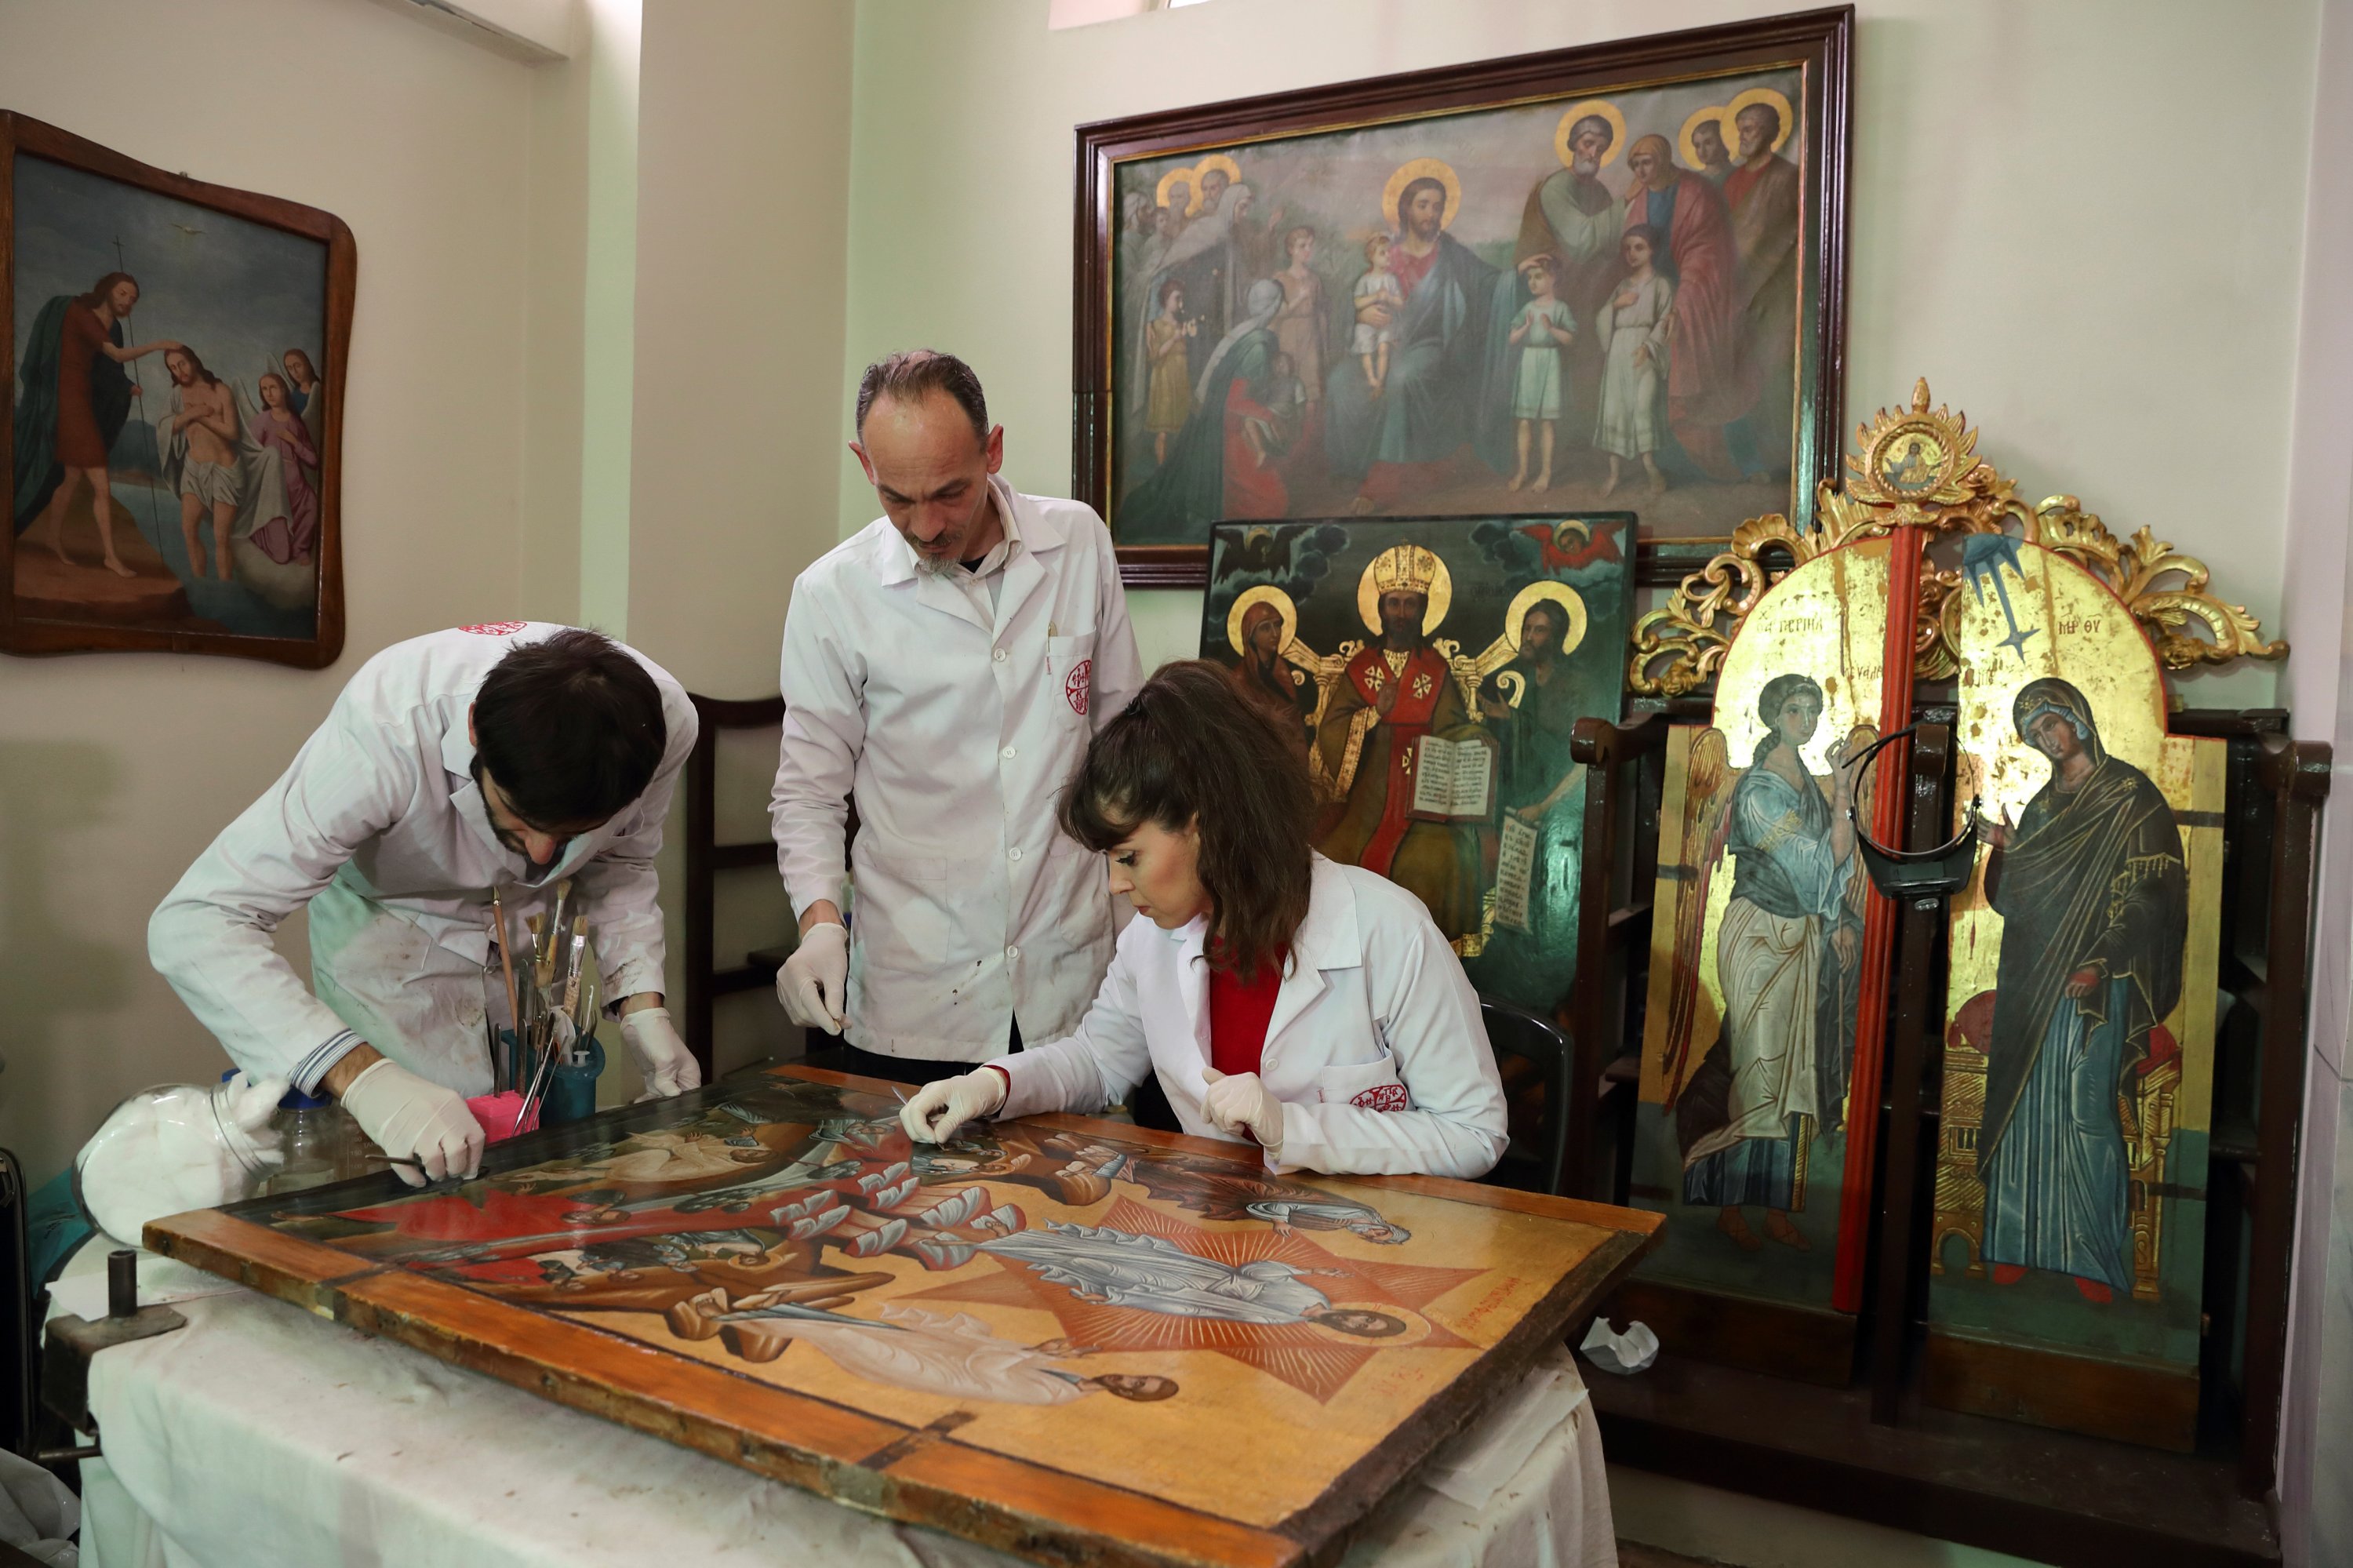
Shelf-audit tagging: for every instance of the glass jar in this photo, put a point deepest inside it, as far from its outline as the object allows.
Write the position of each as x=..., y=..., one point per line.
x=311, y=1134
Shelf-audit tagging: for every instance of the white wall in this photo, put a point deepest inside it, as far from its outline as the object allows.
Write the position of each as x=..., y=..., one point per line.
x=116, y=769
x=2316, y=1436
x=743, y=136
x=2036, y=229
x=743, y=129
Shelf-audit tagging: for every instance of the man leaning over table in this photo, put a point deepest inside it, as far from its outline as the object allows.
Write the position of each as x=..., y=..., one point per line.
x=503, y=757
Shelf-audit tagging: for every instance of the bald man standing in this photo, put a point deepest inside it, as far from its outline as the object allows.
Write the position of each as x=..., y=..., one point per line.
x=944, y=668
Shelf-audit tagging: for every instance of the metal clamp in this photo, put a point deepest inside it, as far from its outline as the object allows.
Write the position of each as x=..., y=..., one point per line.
x=71, y=1341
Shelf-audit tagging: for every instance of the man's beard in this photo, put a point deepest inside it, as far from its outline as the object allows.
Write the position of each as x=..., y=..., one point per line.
x=1587, y=165
x=935, y=560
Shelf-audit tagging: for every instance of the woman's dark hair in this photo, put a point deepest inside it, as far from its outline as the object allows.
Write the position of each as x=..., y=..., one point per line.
x=1190, y=747
x=572, y=728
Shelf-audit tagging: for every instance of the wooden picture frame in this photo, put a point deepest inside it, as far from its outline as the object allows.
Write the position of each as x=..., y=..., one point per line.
x=577, y=1315
x=71, y=211
x=1815, y=47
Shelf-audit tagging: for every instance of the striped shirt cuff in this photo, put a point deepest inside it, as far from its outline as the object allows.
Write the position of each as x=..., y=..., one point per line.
x=311, y=1068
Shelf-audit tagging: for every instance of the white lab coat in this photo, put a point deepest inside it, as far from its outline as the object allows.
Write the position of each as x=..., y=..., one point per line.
x=379, y=827
x=954, y=731
x=1376, y=1047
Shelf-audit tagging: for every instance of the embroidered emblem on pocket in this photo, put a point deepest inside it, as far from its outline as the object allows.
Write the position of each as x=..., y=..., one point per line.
x=1383, y=1098
x=1075, y=688
x=496, y=627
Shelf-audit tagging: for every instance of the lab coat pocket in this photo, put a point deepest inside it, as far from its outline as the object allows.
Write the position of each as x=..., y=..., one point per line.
x=911, y=910
x=1070, y=666
x=1367, y=1085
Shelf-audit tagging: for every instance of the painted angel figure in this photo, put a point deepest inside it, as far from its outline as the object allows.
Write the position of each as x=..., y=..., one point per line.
x=1748, y=1103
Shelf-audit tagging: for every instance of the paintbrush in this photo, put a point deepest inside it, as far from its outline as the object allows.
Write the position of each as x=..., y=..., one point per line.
x=506, y=963
x=555, y=934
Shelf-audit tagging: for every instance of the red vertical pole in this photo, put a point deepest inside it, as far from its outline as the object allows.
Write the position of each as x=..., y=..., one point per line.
x=1891, y=773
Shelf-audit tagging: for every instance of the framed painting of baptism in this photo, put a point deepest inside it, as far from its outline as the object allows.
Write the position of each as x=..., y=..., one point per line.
x=1605, y=277
x=173, y=439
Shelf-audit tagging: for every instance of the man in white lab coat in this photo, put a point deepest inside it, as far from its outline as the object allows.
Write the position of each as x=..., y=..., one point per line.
x=943, y=669
x=512, y=756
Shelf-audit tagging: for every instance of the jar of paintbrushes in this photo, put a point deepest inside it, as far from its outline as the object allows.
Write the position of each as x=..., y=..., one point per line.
x=544, y=1066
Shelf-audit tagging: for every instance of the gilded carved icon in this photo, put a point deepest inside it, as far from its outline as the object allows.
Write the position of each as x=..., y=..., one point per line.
x=2070, y=1211
x=1756, y=945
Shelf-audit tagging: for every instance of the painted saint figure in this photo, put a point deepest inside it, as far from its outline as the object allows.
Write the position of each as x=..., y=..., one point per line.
x=1302, y=327
x=205, y=420
x=923, y=1353
x=279, y=425
x=1709, y=382
x=1391, y=694
x=306, y=397
x=70, y=408
x=1786, y=957
x=1765, y=193
x=2093, y=894
x=1532, y=706
x=1266, y=680
x=1715, y=157
x=1220, y=464
x=1445, y=380
x=1152, y=1274
x=1170, y=402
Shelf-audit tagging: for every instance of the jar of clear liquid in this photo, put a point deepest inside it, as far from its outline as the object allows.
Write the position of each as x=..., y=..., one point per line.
x=310, y=1134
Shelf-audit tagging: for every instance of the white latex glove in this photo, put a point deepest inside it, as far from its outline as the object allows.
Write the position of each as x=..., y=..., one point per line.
x=1241, y=1104
x=667, y=1067
x=413, y=1118
x=939, y=1109
x=815, y=981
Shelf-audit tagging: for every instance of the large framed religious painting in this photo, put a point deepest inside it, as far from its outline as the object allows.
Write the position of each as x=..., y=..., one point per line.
x=1433, y=669
x=173, y=400
x=1601, y=277
x=1042, y=1335
x=2067, y=1256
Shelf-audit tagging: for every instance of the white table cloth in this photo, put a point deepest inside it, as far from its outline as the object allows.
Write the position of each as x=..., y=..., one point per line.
x=263, y=1433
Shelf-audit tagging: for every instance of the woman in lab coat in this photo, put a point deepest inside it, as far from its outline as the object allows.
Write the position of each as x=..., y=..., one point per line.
x=1309, y=1007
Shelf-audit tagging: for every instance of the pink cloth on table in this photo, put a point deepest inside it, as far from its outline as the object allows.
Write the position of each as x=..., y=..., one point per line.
x=497, y=1113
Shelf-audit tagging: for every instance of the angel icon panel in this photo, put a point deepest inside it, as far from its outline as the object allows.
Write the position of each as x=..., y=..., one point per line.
x=2079, y=1065
x=1067, y=1298
x=1433, y=670
x=1756, y=943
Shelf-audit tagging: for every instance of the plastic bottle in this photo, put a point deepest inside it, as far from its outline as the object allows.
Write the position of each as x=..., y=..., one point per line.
x=311, y=1132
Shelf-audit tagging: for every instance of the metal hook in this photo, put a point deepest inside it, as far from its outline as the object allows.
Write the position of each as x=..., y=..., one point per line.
x=1899, y=873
